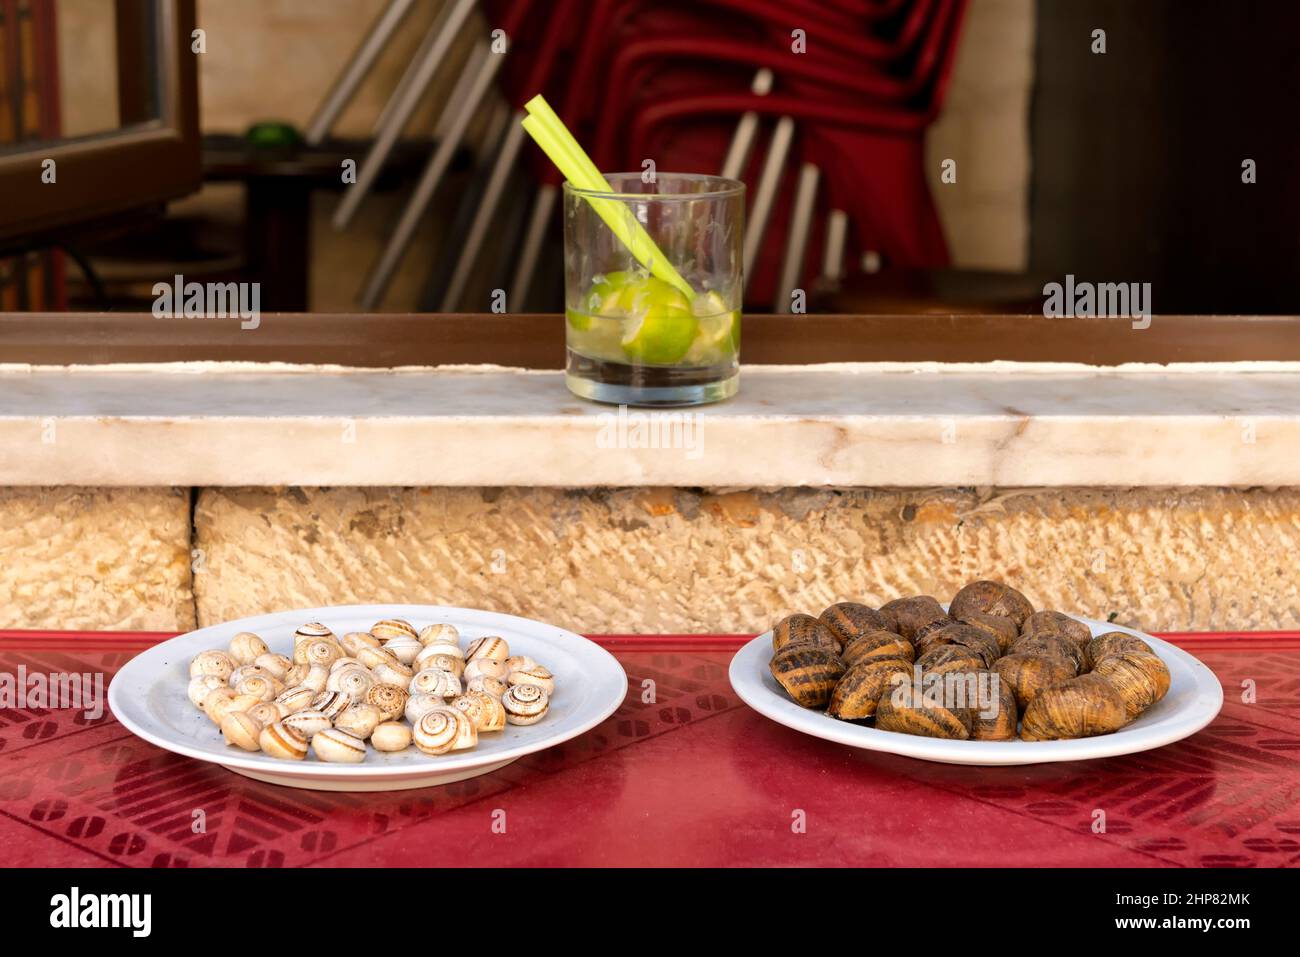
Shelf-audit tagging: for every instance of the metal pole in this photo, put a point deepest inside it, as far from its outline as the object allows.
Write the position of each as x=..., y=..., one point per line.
x=796, y=241
x=765, y=195
x=742, y=141
x=526, y=265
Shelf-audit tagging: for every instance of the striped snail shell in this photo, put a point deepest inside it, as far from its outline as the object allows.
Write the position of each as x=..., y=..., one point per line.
x=354, y=680
x=354, y=641
x=997, y=721
x=520, y=662
x=307, y=723
x=849, y=619
x=1141, y=679
x=201, y=685
x=393, y=673
x=245, y=648
x=950, y=659
x=915, y=615
x=262, y=687
x=391, y=736
x=360, y=719
x=1114, y=643
x=1056, y=623
x=525, y=704
x=486, y=666
x=435, y=656
x=216, y=702
x=877, y=644
x=493, y=686
x=274, y=664
x=297, y=698
x=803, y=630
x=295, y=674
x=374, y=657
x=1053, y=646
x=991, y=598
x=807, y=672
x=445, y=634
x=435, y=681
x=317, y=651
x=212, y=662
x=538, y=675
x=418, y=705
x=338, y=747
x=404, y=648
x=281, y=741
x=487, y=712
x=905, y=709
x=955, y=633
x=345, y=662
x=390, y=628
x=242, y=730
x=331, y=703
x=490, y=647
x=312, y=631
x=857, y=693
x=444, y=729
x=1077, y=708
x=389, y=699
x=998, y=627
x=1030, y=675
x=268, y=712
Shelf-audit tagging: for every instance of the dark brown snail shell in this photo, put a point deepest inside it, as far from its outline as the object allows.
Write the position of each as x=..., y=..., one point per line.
x=1115, y=643
x=999, y=627
x=994, y=720
x=877, y=644
x=859, y=691
x=1141, y=679
x=808, y=673
x=956, y=633
x=803, y=630
x=1052, y=645
x=946, y=659
x=915, y=615
x=848, y=620
x=991, y=598
x=1029, y=675
x=1079, y=708
x=1056, y=623
x=903, y=710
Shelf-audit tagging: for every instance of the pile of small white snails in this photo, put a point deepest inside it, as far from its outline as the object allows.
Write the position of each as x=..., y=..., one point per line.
x=335, y=694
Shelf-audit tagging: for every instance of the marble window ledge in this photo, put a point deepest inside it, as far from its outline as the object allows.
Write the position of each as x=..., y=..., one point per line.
x=1001, y=424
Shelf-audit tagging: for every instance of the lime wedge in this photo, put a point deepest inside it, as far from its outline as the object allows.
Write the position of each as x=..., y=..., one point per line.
x=660, y=336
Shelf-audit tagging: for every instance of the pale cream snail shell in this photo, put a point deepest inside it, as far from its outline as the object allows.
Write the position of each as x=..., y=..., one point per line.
x=346, y=661
x=487, y=712
x=493, y=686
x=272, y=663
x=373, y=657
x=390, y=628
x=404, y=648
x=359, y=719
x=354, y=680
x=393, y=673
x=490, y=667
x=245, y=671
x=391, y=736
x=525, y=704
x=310, y=632
x=536, y=675
x=201, y=685
x=316, y=678
x=215, y=701
x=307, y=723
x=418, y=705
x=297, y=698
x=435, y=681
x=389, y=699
x=263, y=687
x=331, y=703
x=295, y=674
x=446, y=634
x=490, y=647
x=245, y=648
x=338, y=747
x=443, y=730
x=354, y=641
x=318, y=651
x=432, y=657
x=268, y=712
x=242, y=730
x=520, y=662
x=212, y=662
x=281, y=741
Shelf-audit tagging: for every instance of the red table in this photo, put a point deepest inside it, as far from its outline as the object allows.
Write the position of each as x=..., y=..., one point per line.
x=694, y=778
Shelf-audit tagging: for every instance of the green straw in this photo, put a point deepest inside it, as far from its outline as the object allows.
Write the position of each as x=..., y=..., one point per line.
x=550, y=133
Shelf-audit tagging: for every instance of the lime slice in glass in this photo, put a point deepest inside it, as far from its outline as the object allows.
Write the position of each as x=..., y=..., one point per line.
x=661, y=336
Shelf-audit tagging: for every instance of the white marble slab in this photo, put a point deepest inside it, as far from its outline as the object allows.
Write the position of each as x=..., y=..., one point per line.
x=1003, y=425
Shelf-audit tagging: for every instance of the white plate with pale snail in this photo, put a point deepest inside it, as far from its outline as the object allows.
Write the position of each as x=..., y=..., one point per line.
x=368, y=697
x=985, y=679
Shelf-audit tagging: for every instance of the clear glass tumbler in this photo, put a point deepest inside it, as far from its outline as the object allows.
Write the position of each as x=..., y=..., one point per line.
x=640, y=332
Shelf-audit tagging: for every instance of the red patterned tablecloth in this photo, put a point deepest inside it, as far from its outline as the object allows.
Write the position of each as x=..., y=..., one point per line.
x=694, y=778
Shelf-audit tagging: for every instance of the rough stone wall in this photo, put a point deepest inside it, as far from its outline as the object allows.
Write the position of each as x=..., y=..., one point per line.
x=674, y=560
x=112, y=559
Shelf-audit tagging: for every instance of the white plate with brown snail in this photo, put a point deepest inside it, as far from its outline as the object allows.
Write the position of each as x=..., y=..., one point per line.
x=368, y=697
x=983, y=680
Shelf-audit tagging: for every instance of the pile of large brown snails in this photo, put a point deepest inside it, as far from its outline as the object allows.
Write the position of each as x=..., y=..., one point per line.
x=391, y=686
x=1054, y=680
